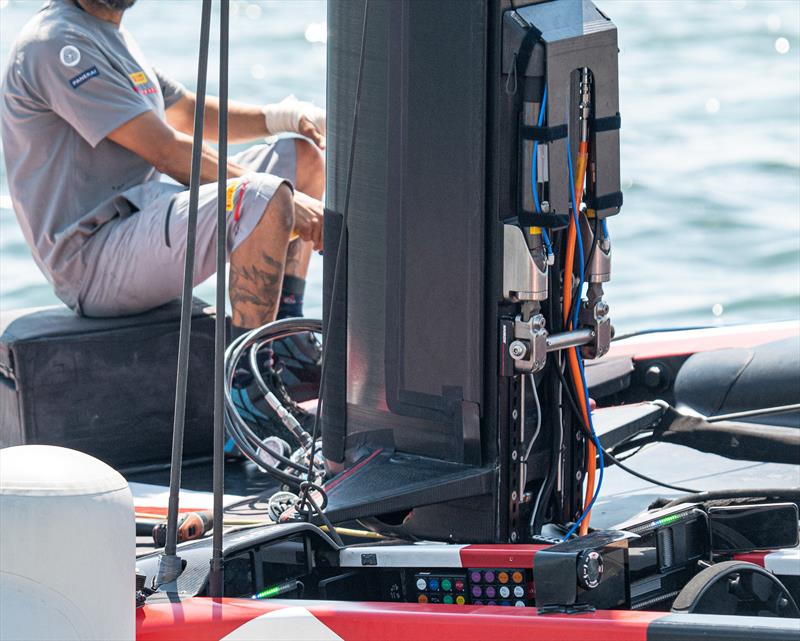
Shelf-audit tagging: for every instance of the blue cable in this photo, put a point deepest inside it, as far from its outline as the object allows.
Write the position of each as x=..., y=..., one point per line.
x=579, y=293
x=605, y=228
x=596, y=441
x=534, y=177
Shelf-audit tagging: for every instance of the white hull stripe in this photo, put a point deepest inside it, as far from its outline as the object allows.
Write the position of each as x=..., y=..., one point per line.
x=397, y=556
x=284, y=624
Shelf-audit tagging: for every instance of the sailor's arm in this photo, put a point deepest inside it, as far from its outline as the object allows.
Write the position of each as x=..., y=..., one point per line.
x=249, y=122
x=167, y=149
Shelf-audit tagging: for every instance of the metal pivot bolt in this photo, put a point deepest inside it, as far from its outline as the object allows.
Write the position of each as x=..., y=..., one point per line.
x=518, y=350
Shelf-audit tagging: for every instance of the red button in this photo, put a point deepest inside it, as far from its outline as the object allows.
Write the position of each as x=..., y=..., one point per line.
x=459, y=585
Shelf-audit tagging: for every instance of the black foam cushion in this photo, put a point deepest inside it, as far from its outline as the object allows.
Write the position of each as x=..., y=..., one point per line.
x=733, y=380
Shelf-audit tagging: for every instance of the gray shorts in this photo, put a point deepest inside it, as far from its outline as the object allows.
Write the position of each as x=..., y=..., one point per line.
x=136, y=263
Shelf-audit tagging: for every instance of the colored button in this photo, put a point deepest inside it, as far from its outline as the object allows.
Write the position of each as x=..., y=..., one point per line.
x=519, y=604
x=488, y=576
x=422, y=599
x=505, y=602
x=433, y=584
x=519, y=591
x=421, y=584
x=503, y=577
x=491, y=603
x=475, y=577
x=446, y=585
x=490, y=591
x=517, y=577
x=448, y=598
x=459, y=585
x=460, y=600
x=476, y=590
x=505, y=592
x=477, y=602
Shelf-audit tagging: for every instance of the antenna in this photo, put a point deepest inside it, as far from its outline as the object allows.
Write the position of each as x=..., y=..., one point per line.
x=170, y=564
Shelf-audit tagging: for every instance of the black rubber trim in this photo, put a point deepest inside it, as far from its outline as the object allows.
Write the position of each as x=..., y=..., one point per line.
x=166, y=222
x=609, y=123
x=532, y=36
x=543, y=134
x=715, y=627
x=606, y=201
x=551, y=221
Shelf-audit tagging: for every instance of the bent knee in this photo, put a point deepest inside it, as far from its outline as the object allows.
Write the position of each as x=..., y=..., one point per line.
x=280, y=209
x=309, y=156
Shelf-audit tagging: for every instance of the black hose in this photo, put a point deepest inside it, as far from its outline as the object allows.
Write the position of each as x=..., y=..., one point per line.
x=610, y=457
x=179, y=418
x=216, y=580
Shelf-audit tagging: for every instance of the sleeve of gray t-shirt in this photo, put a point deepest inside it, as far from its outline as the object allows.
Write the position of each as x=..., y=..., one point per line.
x=92, y=96
x=172, y=90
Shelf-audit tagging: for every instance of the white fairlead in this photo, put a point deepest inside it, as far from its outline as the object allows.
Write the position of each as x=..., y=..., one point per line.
x=285, y=116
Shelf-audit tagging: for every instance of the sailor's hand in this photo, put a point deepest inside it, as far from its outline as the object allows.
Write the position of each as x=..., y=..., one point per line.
x=311, y=131
x=308, y=218
x=296, y=116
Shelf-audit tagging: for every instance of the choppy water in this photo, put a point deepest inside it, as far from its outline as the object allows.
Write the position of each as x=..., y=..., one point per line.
x=710, y=230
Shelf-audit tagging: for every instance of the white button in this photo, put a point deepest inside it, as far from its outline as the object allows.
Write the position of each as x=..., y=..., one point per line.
x=520, y=604
x=504, y=591
x=519, y=591
x=421, y=584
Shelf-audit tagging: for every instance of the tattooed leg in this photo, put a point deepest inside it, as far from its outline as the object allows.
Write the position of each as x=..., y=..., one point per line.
x=310, y=179
x=257, y=265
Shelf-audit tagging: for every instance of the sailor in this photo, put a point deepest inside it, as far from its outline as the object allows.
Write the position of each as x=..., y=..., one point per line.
x=88, y=130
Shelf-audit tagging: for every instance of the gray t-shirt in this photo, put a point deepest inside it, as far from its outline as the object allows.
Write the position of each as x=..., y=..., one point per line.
x=71, y=80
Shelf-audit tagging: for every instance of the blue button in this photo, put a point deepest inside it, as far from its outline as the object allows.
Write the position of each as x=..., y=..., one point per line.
x=433, y=584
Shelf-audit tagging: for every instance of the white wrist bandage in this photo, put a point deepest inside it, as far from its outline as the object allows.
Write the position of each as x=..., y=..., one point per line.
x=285, y=116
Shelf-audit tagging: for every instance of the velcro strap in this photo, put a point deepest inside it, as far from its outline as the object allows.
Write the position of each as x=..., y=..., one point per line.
x=551, y=221
x=543, y=134
x=606, y=201
x=609, y=123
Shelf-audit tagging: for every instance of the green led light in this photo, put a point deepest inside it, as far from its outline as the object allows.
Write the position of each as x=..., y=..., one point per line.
x=448, y=599
x=269, y=592
x=666, y=520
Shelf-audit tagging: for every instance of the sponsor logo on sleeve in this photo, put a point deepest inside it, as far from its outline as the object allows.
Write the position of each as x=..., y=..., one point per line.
x=141, y=83
x=82, y=77
x=69, y=55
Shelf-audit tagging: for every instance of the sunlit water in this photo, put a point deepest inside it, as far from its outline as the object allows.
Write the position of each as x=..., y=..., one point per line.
x=710, y=230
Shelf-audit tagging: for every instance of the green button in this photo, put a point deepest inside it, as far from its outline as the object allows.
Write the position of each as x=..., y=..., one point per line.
x=448, y=599
x=446, y=585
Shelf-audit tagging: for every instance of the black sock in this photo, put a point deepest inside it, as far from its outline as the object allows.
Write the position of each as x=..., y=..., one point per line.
x=291, y=303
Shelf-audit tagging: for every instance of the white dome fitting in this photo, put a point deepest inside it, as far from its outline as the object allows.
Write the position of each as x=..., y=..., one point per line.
x=67, y=547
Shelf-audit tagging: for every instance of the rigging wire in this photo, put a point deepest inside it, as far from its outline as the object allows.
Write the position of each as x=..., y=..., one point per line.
x=215, y=582
x=342, y=236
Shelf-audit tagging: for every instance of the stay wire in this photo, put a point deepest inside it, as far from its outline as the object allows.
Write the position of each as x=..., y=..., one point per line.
x=339, y=250
x=179, y=417
x=216, y=580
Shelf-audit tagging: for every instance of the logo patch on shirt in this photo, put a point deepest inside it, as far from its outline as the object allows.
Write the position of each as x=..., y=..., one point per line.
x=69, y=55
x=138, y=78
x=141, y=83
x=82, y=77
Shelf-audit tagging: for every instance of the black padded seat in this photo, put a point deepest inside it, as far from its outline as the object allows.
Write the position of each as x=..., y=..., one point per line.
x=733, y=380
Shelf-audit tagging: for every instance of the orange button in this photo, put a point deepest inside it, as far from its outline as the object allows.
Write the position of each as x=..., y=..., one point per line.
x=517, y=577
x=502, y=577
x=460, y=600
x=422, y=598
